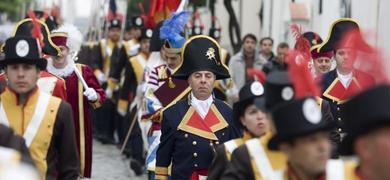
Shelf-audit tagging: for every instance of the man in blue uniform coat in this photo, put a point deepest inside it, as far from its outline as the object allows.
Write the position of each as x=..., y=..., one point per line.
x=193, y=126
x=345, y=81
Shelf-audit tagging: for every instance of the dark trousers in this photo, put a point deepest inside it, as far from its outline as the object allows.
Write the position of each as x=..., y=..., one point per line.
x=104, y=117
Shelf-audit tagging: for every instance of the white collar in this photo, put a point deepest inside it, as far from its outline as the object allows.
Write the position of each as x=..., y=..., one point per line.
x=345, y=79
x=64, y=72
x=349, y=75
x=202, y=107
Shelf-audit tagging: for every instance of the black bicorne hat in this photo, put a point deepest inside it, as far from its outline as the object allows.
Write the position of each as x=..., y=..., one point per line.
x=341, y=30
x=313, y=38
x=278, y=89
x=25, y=27
x=201, y=53
x=363, y=113
x=48, y=20
x=296, y=118
x=23, y=49
x=250, y=93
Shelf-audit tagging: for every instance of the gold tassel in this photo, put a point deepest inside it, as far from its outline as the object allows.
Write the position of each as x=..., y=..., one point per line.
x=171, y=84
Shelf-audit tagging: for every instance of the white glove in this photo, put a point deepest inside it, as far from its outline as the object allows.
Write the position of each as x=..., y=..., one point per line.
x=91, y=94
x=102, y=78
x=108, y=93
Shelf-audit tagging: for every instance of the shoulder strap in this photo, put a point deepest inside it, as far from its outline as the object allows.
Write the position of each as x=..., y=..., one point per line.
x=335, y=169
x=40, y=110
x=231, y=146
x=257, y=153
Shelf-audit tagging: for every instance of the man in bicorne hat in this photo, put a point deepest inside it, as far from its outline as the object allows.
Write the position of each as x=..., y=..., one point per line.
x=343, y=82
x=191, y=127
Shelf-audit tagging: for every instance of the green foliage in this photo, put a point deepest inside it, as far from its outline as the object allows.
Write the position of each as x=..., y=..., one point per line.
x=12, y=7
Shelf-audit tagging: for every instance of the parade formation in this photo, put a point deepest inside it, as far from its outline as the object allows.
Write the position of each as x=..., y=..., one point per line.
x=177, y=105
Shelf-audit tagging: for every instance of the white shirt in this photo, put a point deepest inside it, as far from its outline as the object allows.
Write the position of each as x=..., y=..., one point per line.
x=202, y=107
x=345, y=79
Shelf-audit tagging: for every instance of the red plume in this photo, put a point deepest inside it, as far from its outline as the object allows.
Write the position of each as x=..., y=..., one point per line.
x=36, y=30
x=257, y=74
x=298, y=66
x=301, y=44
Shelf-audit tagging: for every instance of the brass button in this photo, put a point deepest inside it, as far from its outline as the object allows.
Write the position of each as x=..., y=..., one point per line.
x=338, y=109
x=195, y=165
x=48, y=125
x=186, y=135
x=339, y=119
x=339, y=129
x=195, y=154
x=211, y=144
x=217, y=142
x=194, y=143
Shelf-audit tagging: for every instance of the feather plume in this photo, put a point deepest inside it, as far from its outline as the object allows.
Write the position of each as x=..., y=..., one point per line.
x=173, y=28
x=36, y=30
x=298, y=66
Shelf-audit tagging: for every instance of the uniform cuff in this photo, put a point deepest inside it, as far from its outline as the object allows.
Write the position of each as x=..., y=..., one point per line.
x=161, y=171
x=122, y=104
x=112, y=83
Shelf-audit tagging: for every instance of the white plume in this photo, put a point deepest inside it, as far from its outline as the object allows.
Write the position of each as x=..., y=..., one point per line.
x=75, y=38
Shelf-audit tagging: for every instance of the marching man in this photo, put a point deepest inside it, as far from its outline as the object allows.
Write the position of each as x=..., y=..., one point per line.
x=82, y=87
x=44, y=121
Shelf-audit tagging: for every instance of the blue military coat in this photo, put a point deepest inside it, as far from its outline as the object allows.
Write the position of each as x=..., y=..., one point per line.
x=188, y=141
x=336, y=94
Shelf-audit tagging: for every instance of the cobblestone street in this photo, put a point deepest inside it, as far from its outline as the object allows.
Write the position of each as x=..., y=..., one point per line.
x=108, y=164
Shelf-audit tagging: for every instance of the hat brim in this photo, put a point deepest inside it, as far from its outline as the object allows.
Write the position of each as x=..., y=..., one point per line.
x=185, y=75
x=273, y=143
x=41, y=62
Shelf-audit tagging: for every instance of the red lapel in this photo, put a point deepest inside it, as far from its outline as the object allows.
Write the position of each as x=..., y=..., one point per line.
x=194, y=124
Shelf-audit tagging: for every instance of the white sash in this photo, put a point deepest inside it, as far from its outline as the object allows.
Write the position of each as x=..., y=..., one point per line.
x=142, y=61
x=257, y=153
x=35, y=122
x=231, y=146
x=335, y=169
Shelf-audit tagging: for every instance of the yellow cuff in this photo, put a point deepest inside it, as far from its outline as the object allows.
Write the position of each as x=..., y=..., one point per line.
x=122, y=104
x=162, y=171
x=112, y=83
x=97, y=72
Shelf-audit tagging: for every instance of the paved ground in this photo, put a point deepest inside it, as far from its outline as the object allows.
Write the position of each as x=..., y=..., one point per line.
x=108, y=164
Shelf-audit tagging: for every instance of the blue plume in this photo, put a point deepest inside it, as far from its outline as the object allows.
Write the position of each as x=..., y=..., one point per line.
x=172, y=29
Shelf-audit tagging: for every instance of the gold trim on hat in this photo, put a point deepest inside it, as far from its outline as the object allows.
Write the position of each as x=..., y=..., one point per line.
x=58, y=34
x=330, y=30
x=46, y=28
